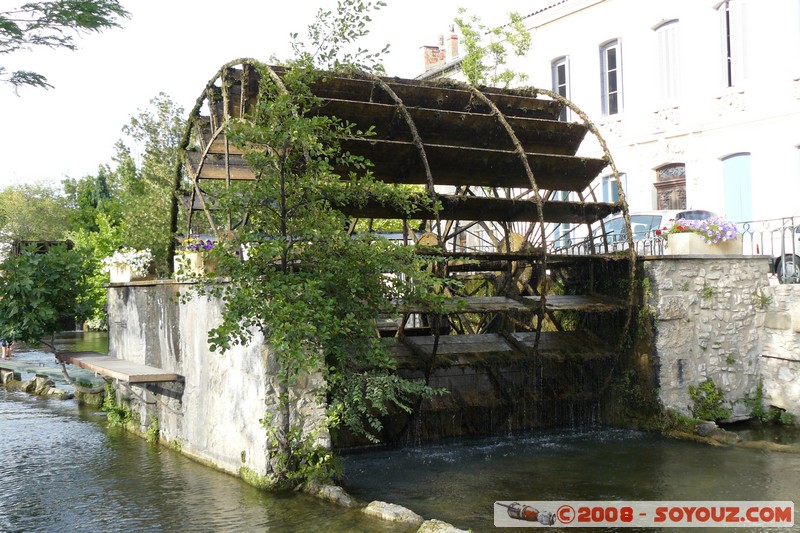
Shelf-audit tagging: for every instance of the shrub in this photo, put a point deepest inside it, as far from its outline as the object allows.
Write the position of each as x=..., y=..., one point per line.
x=708, y=401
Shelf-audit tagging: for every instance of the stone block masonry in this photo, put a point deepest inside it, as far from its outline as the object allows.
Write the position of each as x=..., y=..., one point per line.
x=719, y=318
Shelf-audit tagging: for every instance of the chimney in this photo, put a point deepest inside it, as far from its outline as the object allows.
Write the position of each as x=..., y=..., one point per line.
x=438, y=56
x=452, y=45
x=434, y=57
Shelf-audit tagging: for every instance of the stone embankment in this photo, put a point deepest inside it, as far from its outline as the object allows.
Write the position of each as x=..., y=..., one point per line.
x=719, y=318
x=39, y=385
x=779, y=365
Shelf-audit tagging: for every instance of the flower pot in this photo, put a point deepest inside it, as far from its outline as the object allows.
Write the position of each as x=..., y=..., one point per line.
x=192, y=264
x=124, y=264
x=120, y=273
x=123, y=273
x=695, y=244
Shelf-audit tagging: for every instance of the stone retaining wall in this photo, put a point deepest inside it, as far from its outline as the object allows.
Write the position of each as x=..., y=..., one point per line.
x=715, y=317
x=213, y=414
x=780, y=357
x=720, y=318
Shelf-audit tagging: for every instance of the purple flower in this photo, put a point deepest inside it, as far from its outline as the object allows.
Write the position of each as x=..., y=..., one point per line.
x=713, y=230
x=193, y=244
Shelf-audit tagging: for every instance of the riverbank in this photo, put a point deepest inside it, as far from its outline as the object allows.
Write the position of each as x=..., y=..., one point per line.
x=742, y=436
x=64, y=469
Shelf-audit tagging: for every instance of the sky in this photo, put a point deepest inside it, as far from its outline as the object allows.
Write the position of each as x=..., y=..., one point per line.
x=175, y=47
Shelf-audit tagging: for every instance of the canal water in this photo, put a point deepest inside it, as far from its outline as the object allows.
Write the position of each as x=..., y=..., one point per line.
x=459, y=481
x=63, y=469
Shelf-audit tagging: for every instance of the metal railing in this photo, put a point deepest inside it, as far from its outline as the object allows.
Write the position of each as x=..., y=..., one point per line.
x=778, y=239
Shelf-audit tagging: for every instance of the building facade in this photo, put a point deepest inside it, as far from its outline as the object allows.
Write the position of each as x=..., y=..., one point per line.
x=698, y=100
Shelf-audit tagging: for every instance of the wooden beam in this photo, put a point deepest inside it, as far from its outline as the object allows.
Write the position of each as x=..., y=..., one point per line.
x=475, y=304
x=497, y=304
x=214, y=167
x=458, y=128
x=437, y=94
x=399, y=162
x=454, y=350
x=455, y=207
x=584, y=302
x=441, y=94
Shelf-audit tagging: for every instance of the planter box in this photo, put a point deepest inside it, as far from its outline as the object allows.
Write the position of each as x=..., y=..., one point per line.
x=192, y=264
x=695, y=244
x=120, y=273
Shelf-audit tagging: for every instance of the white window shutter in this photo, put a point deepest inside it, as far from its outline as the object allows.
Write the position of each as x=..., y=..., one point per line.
x=738, y=16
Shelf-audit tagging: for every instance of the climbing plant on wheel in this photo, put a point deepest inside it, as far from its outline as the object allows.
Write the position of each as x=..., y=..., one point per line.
x=312, y=289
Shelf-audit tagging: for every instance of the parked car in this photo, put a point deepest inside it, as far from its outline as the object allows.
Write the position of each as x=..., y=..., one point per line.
x=643, y=226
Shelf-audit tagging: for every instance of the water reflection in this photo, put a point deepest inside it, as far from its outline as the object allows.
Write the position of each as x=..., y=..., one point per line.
x=83, y=341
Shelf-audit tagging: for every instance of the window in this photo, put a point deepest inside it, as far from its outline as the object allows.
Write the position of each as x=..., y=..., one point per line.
x=560, y=75
x=737, y=187
x=611, y=72
x=673, y=171
x=562, y=235
x=610, y=192
x=732, y=32
x=668, y=61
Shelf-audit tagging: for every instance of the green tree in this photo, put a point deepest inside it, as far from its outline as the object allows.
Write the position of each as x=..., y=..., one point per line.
x=125, y=204
x=94, y=246
x=311, y=289
x=51, y=24
x=487, y=49
x=332, y=40
x=36, y=212
x=37, y=291
x=90, y=196
x=146, y=191
x=95, y=210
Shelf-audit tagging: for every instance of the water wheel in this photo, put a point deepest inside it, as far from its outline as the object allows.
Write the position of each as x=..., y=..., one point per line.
x=500, y=164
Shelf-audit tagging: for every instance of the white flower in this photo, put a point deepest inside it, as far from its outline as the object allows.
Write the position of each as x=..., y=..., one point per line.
x=139, y=260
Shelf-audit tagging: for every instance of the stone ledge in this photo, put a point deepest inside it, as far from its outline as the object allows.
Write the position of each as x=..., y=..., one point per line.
x=331, y=493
